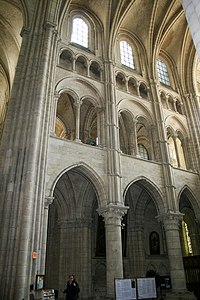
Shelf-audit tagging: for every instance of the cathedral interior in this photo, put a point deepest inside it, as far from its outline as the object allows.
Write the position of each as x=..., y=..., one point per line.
x=99, y=145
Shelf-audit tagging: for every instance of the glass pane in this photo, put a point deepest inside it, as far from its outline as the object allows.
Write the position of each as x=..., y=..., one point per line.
x=162, y=72
x=80, y=32
x=142, y=151
x=126, y=54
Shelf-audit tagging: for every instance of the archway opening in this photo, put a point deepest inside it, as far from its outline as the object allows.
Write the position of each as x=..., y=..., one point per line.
x=146, y=244
x=73, y=234
x=190, y=231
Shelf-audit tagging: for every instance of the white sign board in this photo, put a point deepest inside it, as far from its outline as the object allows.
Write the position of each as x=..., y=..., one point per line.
x=146, y=288
x=134, y=289
x=125, y=289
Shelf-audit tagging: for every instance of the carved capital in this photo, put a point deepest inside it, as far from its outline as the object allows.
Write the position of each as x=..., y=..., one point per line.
x=113, y=214
x=171, y=220
x=48, y=201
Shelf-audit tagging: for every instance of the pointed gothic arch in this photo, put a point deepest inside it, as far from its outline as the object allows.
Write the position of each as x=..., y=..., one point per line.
x=152, y=189
x=143, y=200
x=190, y=232
x=73, y=224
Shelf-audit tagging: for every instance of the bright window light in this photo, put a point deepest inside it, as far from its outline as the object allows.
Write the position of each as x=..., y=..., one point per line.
x=142, y=151
x=189, y=244
x=80, y=32
x=126, y=54
x=162, y=72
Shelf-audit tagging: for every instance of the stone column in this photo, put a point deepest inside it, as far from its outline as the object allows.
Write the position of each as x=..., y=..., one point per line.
x=53, y=113
x=100, y=127
x=194, y=144
x=115, y=194
x=113, y=216
x=167, y=170
x=138, y=89
x=174, y=105
x=42, y=256
x=131, y=142
x=155, y=145
x=78, y=107
x=23, y=164
x=192, y=13
x=174, y=137
x=171, y=223
x=74, y=63
x=186, y=151
x=135, y=150
x=151, y=150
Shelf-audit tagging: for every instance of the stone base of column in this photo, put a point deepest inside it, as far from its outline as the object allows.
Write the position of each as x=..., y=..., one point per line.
x=180, y=296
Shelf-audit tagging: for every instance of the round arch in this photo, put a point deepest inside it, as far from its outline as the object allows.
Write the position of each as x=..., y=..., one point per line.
x=81, y=88
x=139, y=108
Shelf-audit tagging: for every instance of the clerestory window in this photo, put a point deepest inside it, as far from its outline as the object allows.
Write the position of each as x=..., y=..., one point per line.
x=126, y=54
x=162, y=72
x=142, y=151
x=80, y=32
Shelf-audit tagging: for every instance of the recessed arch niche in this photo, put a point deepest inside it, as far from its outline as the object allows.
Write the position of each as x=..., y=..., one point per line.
x=65, y=126
x=126, y=132
x=88, y=122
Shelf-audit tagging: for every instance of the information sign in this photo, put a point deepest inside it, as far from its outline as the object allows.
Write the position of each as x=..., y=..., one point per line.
x=134, y=289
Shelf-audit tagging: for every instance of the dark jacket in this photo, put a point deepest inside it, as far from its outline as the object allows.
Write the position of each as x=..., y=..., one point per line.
x=72, y=290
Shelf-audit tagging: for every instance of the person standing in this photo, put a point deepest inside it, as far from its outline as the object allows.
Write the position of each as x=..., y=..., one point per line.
x=72, y=289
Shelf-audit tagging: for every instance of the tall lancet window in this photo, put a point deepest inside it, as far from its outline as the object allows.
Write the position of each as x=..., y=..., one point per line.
x=80, y=32
x=126, y=54
x=162, y=72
